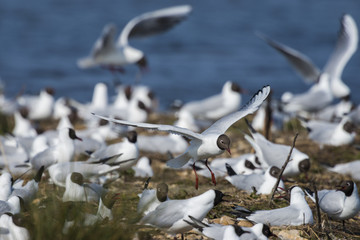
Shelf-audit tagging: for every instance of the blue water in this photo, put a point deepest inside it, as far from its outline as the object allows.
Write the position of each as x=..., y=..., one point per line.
x=40, y=42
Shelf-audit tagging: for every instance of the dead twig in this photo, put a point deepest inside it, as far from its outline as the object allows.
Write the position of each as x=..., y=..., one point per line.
x=317, y=205
x=282, y=170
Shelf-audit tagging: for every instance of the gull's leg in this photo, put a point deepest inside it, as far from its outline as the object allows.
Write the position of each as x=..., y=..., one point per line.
x=196, y=177
x=212, y=174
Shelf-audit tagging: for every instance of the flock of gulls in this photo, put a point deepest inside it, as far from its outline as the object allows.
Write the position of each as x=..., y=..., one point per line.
x=198, y=134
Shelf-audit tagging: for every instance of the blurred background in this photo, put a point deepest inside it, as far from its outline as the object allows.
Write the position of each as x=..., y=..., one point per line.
x=40, y=42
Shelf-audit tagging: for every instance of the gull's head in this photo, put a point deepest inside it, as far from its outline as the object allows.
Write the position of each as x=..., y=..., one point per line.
x=349, y=127
x=77, y=178
x=109, y=199
x=274, y=171
x=132, y=136
x=347, y=187
x=223, y=142
x=72, y=135
x=162, y=191
x=304, y=165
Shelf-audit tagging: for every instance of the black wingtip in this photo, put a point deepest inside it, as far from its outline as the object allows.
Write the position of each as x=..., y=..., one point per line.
x=309, y=191
x=39, y=174
x=230, y=170
x=241, y=212
x=89, y=152
x=252, y=130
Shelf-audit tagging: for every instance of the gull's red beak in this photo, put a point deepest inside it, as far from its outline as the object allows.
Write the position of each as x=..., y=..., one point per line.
x=228, y=151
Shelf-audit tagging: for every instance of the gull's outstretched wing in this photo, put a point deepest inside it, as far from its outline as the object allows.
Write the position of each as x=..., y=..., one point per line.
x=346, y=46
x=221, y=125
x=153, y=22
x=159, y=127
x=105, y=41
x=301, y=63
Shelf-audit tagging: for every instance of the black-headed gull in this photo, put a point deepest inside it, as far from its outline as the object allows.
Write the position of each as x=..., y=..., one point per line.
x=170, y=215
x=274, y=154
x=28, y=191
x=23, y=127
x=77, y=190
x=125, y=153
x=9, y=228
x=243, y=164
x=210, y=142
x=59, y=171
x=335, y=112
x=39, y=107
x=143, y=168
x=329, y=133
x=339, y=204
x=316, y=98
x=106, y=203
x=114, y=55
x=297, y=213
x=217, y=106
x=231, y=232
x=262, y=182
x=63, y=151
x=151, y=198
x=346, y=46
x=349, y=168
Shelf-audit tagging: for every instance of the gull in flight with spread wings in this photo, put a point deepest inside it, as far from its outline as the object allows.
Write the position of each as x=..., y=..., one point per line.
x=211, y=142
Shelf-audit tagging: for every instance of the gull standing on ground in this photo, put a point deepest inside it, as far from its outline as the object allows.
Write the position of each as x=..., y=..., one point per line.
x=59, y=171
x=170, y=215
x=243, y=164
x=340, y=204
x=273, y=154
x=30, y=189
x=143, y=168
x=151, y=198
x=125, y=153
x=346, y=46
x=77, y=190
x=297, y=213
x=115, y=56
x=231, y=232
x=349, y=168
x=210, y=142
x=328, y=133
x=262, y=182
x=217, y=106
x=63, y=151
x=39, y=107
x=10, y=228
